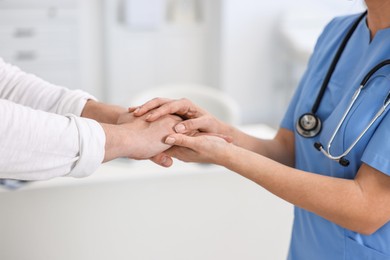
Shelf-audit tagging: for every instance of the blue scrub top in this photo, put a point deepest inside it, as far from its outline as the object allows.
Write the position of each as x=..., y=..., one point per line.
x=313, y=237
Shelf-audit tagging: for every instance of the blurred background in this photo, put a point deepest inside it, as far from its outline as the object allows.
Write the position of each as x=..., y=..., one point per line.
x=253, y=52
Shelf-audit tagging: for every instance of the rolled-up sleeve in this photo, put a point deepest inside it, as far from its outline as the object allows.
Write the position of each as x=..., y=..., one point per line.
x=36, y=145
x=41, y=133
x=91, y=144
x=29, y=90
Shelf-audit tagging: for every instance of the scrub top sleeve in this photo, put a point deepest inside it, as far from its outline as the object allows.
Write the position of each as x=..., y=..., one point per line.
x=289, y=116
x=377, y=152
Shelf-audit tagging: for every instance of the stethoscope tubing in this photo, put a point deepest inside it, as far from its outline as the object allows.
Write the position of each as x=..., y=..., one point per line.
x=354, y=98
x=333, y=65
x=314, y=120
x=327, y=152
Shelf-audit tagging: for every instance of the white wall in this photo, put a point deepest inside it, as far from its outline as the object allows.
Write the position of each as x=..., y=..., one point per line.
x=136, y=58
x=236, y=47
x=251, y=70
x=92, y=44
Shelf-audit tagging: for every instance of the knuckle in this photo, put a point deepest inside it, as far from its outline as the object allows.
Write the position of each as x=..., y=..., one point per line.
x=155, y=100
x=189, y=124
x=185, y=102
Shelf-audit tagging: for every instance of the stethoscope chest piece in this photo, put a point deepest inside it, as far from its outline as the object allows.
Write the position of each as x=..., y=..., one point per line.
x=308, y=125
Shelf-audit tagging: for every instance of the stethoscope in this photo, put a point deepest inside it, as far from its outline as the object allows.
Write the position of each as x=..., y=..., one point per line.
x=309, y=124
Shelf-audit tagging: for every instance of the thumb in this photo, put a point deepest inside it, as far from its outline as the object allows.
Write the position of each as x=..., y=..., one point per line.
x=190, y=125
x=162, y=159
x=227, y=138
x=180, y=140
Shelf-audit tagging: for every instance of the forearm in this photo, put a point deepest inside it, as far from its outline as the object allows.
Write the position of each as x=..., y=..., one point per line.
x=280, y=148
x=338, y=200
x=101, y=112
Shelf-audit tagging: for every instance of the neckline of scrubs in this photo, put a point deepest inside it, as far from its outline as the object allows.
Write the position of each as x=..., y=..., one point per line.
x=378, y=36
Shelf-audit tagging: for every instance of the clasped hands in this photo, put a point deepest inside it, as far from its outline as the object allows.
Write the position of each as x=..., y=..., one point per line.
x=179, y=129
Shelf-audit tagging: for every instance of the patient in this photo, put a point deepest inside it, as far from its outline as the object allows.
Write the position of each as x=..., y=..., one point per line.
x=50, y=131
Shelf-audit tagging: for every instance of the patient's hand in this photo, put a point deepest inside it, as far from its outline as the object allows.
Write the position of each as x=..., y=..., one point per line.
x=145, y=140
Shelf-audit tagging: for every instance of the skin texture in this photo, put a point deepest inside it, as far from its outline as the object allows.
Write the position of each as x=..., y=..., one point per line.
x=129, y=136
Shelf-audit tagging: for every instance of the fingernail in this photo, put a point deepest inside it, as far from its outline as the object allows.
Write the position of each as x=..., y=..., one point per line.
x=170, y=140
x=148, y=117
x=180, y=128
x=165, y=161
x=137, y=110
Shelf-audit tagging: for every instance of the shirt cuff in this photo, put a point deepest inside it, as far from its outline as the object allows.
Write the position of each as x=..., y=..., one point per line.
x=92, y=141
x=74, y=102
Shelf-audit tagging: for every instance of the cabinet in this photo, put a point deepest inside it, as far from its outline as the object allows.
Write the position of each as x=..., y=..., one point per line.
x=42, y=37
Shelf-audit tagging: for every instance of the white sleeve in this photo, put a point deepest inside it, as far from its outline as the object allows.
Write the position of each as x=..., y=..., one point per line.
x=37, y=145
x=29, y=90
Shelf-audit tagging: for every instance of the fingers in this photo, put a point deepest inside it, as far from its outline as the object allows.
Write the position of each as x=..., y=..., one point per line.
x=227, y=138
x=162, y=159
x=191, y=125
x=160, y=107
x=181, y=140
x=148, y=106
x=132, y=109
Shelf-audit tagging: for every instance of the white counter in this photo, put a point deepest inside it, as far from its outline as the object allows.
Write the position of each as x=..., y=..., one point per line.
x=138, y=210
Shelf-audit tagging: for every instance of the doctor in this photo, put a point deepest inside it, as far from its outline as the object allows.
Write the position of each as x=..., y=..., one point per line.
x=331, y=155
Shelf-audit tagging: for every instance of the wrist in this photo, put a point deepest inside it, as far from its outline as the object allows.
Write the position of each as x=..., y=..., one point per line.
x=229, y=157
x=229, y=130
x=103, y=113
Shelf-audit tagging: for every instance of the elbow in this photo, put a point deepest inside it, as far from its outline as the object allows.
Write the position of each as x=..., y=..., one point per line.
x=369, y=225
x=367, y=230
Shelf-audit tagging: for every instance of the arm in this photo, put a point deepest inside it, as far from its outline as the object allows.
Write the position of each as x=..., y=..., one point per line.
x=36, y=145
x=103, y=113
x=29, y=90
x=280, y=149
x=360, y=204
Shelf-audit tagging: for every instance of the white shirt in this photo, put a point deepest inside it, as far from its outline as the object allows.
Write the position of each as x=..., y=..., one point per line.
x=41, y=133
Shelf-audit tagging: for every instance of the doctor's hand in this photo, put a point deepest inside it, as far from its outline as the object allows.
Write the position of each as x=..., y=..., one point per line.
x=201, y=148
x=195, y=118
